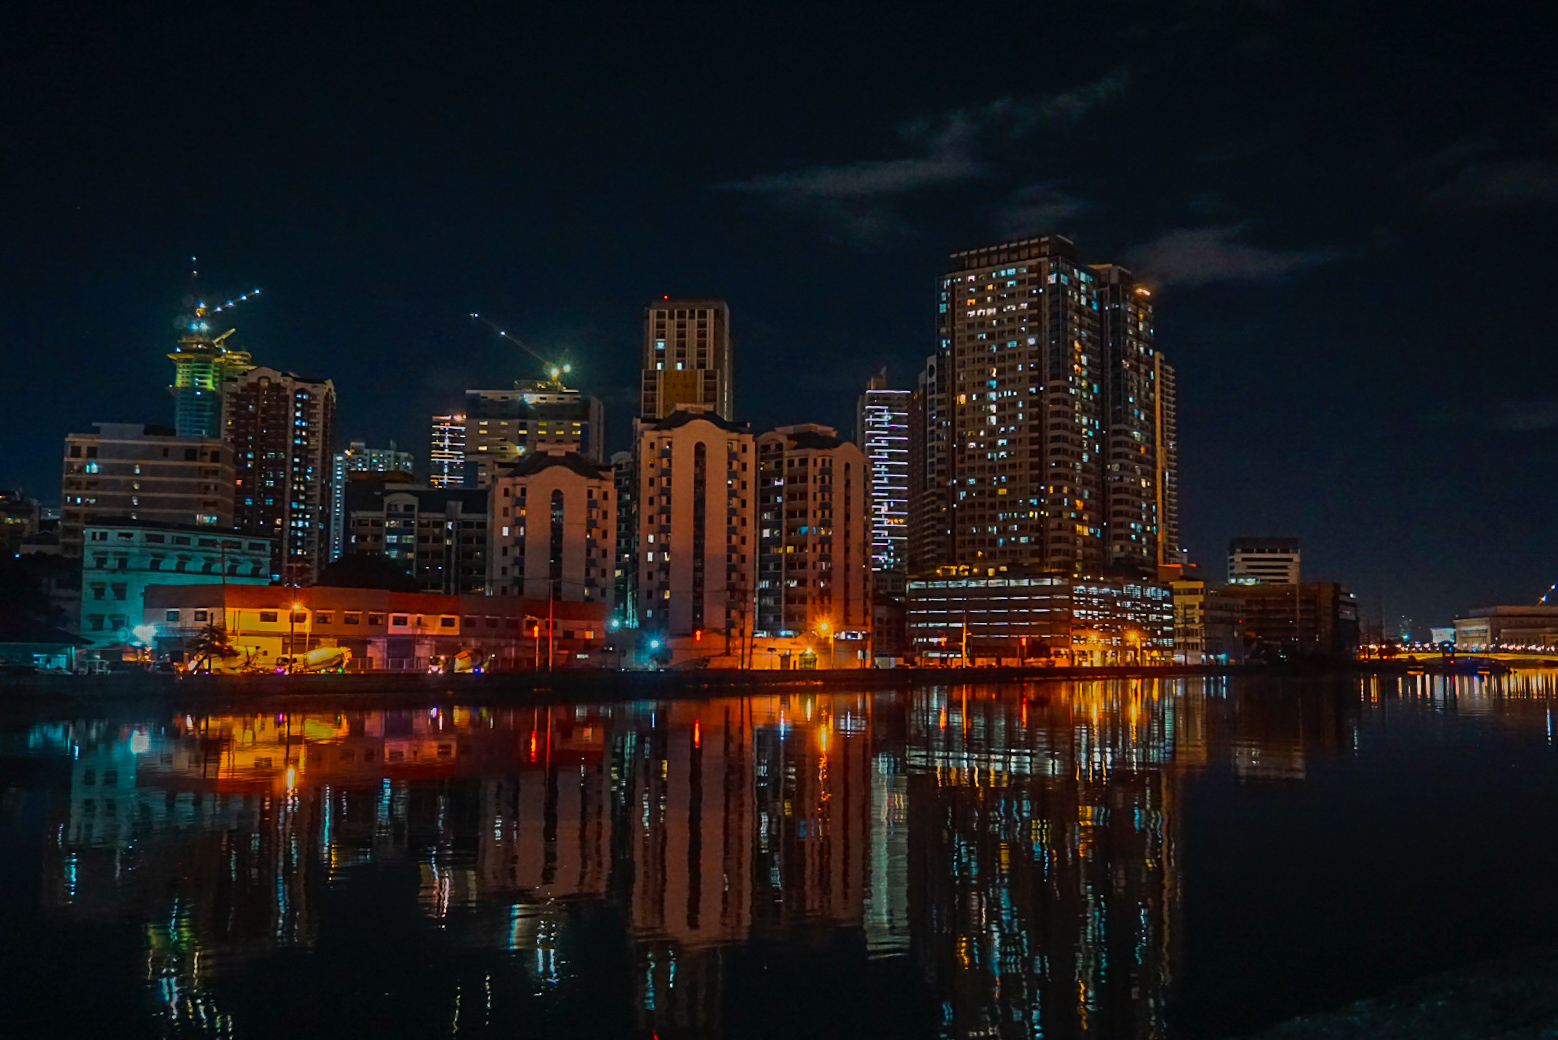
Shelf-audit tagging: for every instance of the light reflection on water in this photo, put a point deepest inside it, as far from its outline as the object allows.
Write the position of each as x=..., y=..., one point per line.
x=960, y=861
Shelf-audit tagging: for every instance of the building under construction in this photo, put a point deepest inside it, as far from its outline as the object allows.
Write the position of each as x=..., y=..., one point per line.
x=202, y=363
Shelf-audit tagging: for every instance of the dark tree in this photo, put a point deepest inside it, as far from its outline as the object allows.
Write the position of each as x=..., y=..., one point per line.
x=26, y=611
x=210, y=641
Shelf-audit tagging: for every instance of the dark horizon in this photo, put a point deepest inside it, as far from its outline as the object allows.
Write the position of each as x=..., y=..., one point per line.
x=1344, y=215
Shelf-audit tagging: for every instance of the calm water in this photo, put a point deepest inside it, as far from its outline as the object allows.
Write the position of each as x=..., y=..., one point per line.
x=1123, y=859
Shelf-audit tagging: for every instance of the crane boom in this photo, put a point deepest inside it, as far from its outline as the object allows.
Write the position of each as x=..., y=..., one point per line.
x=555, y=369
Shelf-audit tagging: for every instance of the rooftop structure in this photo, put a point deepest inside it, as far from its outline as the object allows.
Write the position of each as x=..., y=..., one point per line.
x=1263, y=561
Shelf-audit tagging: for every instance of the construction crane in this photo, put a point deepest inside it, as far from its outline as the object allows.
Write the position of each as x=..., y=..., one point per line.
x=554, y=369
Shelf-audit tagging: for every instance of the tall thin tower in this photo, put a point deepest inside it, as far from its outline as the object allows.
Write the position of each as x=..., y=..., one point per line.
x=882, y=432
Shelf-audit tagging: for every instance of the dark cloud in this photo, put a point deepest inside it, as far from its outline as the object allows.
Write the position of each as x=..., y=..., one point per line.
x=1198, y=256
x=863, y=179
x=856, y=201
x=1010, y=118
x=1507, y=184
x=1036, y=209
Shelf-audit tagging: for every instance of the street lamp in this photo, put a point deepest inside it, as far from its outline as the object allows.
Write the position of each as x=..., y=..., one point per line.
x=825, y=629
x=292, y=637
x=535, y=630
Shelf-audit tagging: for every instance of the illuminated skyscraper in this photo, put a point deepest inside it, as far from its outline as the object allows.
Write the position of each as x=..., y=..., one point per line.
x=358, y=458
x=1045, y=436
x=686, y=357
x=446, y=454
x=1140, y=491
x=882, y=432
x=282, y=429
x=929, y=542
x=202, y=365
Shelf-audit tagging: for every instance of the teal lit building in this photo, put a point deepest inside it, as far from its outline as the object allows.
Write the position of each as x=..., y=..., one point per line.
x=202, y=363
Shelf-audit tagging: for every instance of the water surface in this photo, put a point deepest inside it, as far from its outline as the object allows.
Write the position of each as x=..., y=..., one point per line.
x=1187, y=858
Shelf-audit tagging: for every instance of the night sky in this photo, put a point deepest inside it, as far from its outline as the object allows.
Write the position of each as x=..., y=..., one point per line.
x=1348, y=212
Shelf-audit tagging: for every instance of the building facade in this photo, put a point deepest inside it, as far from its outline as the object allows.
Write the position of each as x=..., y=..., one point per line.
x=385, y=631
x=686, y=357
x=1264, y=561
x=359, y=458
x=1312, y=619
x=502, y=426
x=446, y=451
x=439, y=534
x=1506, y=626
x=122, y=557
x=882, y=432
x=1208, y=624
x=813, y=534
x=966, y=617
x=553, y=527
x=696, y=540
x=282, y=431
x=141, y=472
x=1041, y=436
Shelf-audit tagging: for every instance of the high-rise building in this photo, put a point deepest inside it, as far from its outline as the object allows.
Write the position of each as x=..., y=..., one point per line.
x=1137, y=428
x=282, y=431
x=930, y=533
x=1043, y=440
x=439, y=534
x=358, y=458
x=686, y=357
x=203, y=364
x=502, y=426
x=553, y=527
x=134, y=471
x=446, y=452
x=1170, y=550
x=624, y=470
x=814, y=550
x=1264, y=561
x=882, y=432
x=696, y=543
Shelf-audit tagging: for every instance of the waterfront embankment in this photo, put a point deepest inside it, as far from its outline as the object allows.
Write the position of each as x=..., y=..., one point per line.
x=592, y=685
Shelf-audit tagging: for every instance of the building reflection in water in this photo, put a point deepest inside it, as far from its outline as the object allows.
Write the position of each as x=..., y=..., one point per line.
x=1016, y=846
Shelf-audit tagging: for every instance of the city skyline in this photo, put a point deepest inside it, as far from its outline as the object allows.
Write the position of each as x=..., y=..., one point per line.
x=1295, y=232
